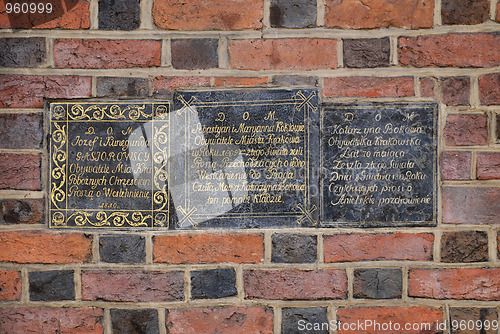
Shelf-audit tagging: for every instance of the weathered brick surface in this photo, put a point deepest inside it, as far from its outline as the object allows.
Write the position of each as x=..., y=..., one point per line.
x=368, y=87
x=283, y=54
x=427, y=87
x=362, y=247
x=239, y=81
x=52, y=285
x=481, y=317
x=208, y=248
x=291, y=317
x=199, y=15
x=293, y=14
x=166, y=85
x=135, y=321
x=294, y=248
x=132, y=285
x=489, y=89
x=465, y=11
x=10, y=285
x=488, y=166
x=214, y=283
x=106, y=53
x=41, y=247
x=458, y=283
x=474, y=205
x=119, y=14
x=122, y=87
x=367, y=52
x=466, y=130
x=464, y=246
x=395, y=315
x=220, y=320
x=21, y=130
x=378, y=283
x=352, y=14
x=26, y=211
x=51, y=320
x=294, y=80
x=459, y=50
x=455, y=165
x=456, y=90
x=28, y=91
x=73, y=15
x=22, y=52
x=194, y=53
x=20, y=171
x=122, y=249
x=295, y=284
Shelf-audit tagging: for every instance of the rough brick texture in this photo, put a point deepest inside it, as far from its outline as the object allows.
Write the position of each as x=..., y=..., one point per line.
x=21, y=131
x=51, y=320
x=20, y=171
x=292, y=316
x=464, y=246
x=368, y=87
x=488, y=166
x=10, y=285
x=427, y=87
x=475, y=205
x=26, y=211
x=40, y=247
x=465, y=11
x=459, y=50
x=352, y=14
x=122, y=87
x=455, y=283
x=368, y=52
x=132, y=286
x=378, y=283
x=22, y=52
x=362, y=247
x=198, y=15
x=489, y=89
x=220, y=320
x=166, y=85
x=295, y=284
x=28, y=91
x=456, y=91
x=194, y=53
x=466, y=130
x=208, y=248
x=294, y=80
x=283, y=53
x=216, y=283
x=237, y=81
x=106, y=53
x=122, y=249
x=467, y=315
x=119, y=14
x=455, y=165
x=135, y=321
x=52, y=285
x=293, y=248
x=293, y=13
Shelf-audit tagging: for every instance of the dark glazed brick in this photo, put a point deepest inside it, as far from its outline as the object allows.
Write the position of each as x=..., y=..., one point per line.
x=369, y=52
x=456, y=91
x=217, y=283
x=21, y=130
x=25, y=211
x=314, y=315
x=467, y=314
x=126, y=87
x=378, y=283
x=465, y=11
x=52, y=285
x=464, y=246
x=294, y=80
x=192, y=54
x=294, y=248
x=119, y=14
x=135, y=321
x=498, y=127
x=122, y=249
x=22, y=52
x=293, y=13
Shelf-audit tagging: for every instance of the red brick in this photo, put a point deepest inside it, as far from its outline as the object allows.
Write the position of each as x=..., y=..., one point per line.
x=458, y=283
x=456, y=90
x=203, y=15
x=132, y=285
x=353, y=14
x=362, y=247
x=41, y=247
x=51, y=320
x=466, y=130
x=427, y=87
x=20, y=171
x=165, y=85
x=455, y=165
x=22, y=211
x=220, y=320
x=28, y=91
x=471, y=205
x=208, y=248
x=295, y=284
x=10, y=285
x=488, y=166
x=21, y=130
x=451, y=50
x=368, y=87
x=283, y=54
x=399, y=317
x=106, y=53
x=74, y=17
x=489, y=89
x=237, y=81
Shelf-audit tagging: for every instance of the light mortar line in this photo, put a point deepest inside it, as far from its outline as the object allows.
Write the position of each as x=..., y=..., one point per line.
x=277, y=319
x=240, y=285
x=21, y=111
x=321, y=252
x=166, y=55
x=436, y=252
x=24, y=286
x=94, y=87
x=267, y=247
x=266, y=23
x=187, y=285
x=492, y=247
x=437, y=14
x=393, y=40
x=446, y=316
x=96, y=256
x=340, y=53
x=94, y=15
x=223, y=53
x=332, y=315
x=416, y=86
x=147, y=15
x=162, y=320
x=49, y=52
x=320, y=13
x=492, y=126
x=21, y=194
x=350, y=284
x=474, y=92
x=473, y=165
x=78, y=284
x=493, y=7
x=21, y=151
x=404, y=291
x=149, y=249
x=108, y=329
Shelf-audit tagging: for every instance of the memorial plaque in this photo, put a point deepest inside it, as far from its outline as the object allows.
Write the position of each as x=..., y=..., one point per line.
x=379, y=165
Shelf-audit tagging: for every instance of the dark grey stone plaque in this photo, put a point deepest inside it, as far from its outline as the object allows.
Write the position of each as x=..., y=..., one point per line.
x=379, y=165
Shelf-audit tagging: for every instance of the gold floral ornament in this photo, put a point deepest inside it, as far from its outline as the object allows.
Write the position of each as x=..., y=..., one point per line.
x=59, y=157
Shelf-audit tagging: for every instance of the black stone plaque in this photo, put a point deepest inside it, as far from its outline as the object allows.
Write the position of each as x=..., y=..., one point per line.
x=379, y=165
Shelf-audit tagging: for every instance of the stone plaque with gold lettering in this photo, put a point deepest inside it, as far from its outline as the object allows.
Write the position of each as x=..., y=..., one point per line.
x=379, y=164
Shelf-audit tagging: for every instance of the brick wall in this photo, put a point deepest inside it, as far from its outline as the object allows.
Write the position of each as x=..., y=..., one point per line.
x=253, y=281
